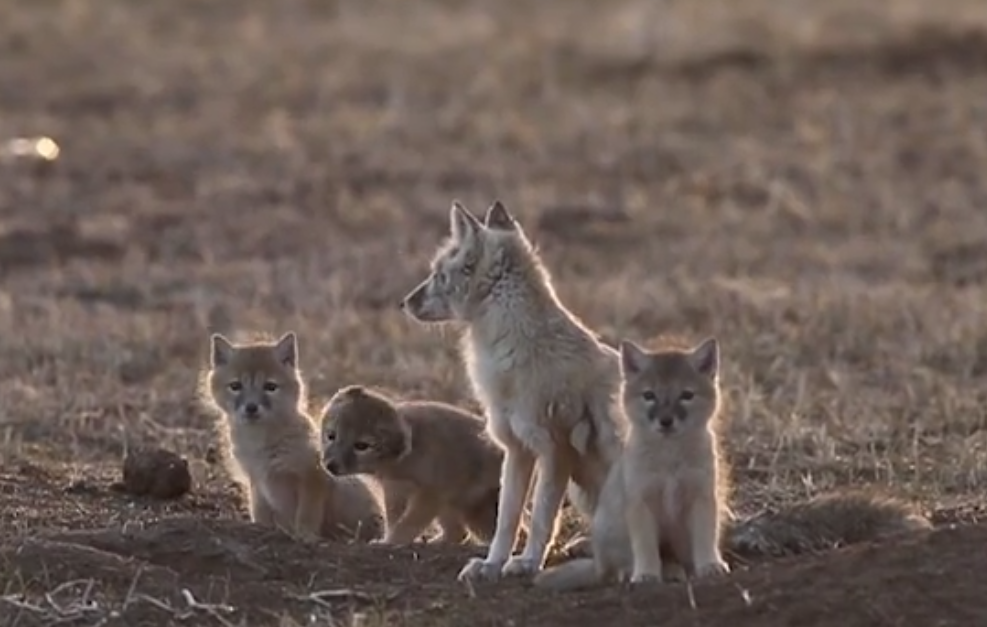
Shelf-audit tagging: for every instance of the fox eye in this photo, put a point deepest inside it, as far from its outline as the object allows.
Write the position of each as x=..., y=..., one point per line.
x=330, y=437
x=687, y=395
x=271, y=386
x=361, y=446
x=235, y=386
x=649, y=396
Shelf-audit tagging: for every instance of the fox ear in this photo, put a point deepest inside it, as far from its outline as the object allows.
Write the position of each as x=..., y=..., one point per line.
x=633, y=358
x=286, y=350
x=221, y=350
x=499, y=218
x=462, y=223
x=705, y=357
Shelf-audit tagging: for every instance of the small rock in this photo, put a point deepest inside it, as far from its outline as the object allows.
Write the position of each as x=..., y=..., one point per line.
x=156, y=472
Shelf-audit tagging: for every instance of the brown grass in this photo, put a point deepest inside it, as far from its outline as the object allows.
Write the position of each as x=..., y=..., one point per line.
x=807, y=182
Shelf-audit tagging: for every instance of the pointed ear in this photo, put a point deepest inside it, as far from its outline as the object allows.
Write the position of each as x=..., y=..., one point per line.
x=286, y=350
x=499, y=218
x=705, y=357
x=462, y=223
x=633, y=358
x=221, y=352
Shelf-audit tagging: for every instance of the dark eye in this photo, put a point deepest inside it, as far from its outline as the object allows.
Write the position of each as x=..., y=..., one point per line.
x=687, y=395
x=360, y=446
x=330, y=437
x=649, y=396
x=271, y=386
x=235, y=386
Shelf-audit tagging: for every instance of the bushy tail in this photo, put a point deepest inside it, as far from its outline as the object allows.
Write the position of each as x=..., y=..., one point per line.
x=571, y=575
x=822, y=523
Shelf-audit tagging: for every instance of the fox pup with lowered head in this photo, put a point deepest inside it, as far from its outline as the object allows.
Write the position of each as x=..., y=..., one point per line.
x=273, y=444
x=432, y=460
x=666, y=494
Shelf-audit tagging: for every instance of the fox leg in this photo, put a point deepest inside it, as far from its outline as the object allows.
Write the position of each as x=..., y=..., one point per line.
x=643, y=531
x=550, y=486
x=310, y=506
x=421, y=511
x=453, y=528
x=260, y=511
x=704, y=537
x=515, y=480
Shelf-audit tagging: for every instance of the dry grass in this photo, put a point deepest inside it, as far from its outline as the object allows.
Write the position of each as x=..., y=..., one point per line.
x=804, y=181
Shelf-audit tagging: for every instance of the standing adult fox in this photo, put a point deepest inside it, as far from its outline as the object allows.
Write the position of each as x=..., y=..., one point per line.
x=547, y=384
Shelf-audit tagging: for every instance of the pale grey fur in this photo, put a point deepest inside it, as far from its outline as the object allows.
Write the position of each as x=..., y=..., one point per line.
x=547, y=384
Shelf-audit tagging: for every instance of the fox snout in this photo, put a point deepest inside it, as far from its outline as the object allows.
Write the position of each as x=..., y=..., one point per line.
x=412, y=303
x=336, y=466
x=331, y=466
x=250, y=411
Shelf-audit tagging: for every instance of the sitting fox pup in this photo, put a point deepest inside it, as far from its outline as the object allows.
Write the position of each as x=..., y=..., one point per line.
x=433, y=460
x=273, y=448
x=666, y=494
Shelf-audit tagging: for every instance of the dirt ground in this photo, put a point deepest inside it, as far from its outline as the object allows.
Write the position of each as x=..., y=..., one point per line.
x=806, y=181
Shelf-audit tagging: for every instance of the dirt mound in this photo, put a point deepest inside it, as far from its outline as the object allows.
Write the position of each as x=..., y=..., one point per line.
x=179, y=567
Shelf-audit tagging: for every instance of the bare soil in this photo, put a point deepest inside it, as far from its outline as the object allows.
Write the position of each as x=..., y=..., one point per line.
x=808, y=182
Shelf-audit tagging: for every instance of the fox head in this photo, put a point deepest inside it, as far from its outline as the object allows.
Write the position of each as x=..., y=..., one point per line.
x=362, y=432
x=253, y=383
x=670, y=391
x=471, y=266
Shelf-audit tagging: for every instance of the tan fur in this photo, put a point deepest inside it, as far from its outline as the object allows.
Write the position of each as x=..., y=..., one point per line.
x=432, y=459
x=547, y=384
x=824, y=522
x=666, y=495
x=274, y=451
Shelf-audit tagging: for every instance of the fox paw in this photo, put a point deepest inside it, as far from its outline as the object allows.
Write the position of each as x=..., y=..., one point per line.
x=645, y=579
x=712, y=569
x=478, y=569
x=673, y=571
x=521, y=566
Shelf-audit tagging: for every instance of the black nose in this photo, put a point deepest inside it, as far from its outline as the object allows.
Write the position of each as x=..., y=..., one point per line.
x=332, y=467
x=250, y=409
x=402, y=304
x=666, y=421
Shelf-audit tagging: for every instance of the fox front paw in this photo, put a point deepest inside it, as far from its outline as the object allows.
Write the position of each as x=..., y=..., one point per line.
x=645, y=578
x=712, y=569
x=521, y=566
x=478, y=569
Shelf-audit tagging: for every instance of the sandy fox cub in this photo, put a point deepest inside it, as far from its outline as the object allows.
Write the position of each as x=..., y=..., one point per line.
x=433, y=461
x=663, y=512
x=545, y=381
x=667, y=492
x=272, y=444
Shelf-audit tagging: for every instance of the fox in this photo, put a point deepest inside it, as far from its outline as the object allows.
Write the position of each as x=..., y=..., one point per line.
x=547, y=383
x=664, y=513
x=662, y=507
x=271, y=444
x=433, y=461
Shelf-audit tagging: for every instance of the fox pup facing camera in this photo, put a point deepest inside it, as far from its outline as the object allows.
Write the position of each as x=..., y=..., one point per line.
x=272, y=444
x=666, y=494
x=433, y=460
